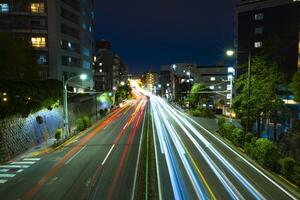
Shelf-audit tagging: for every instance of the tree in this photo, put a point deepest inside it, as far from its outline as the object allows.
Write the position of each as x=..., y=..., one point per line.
x=17, y=59
x=266, y=153
x=196, y=98
x=295, y=87
x=264, y=100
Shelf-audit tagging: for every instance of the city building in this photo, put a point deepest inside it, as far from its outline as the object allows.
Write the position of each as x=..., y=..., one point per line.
x=60, y=31
x=109, y=69
x=151, y=80
x=177, y=79
x=273, y=25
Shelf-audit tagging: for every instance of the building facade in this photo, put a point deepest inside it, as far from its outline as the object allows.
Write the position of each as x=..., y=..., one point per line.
x=109, y=69
x=60, y=31
x=177, y=79
x=272, y=27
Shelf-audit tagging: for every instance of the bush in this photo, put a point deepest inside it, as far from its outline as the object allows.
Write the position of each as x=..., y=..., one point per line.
x=80, y=124
x=202, y=113
x=287, y=165
x=86, y=122
x=266, y=153
x=221, y=122
x=58, y=134
x=248, y=137
x=249, y=147
x=238, y=137
x=296, y=175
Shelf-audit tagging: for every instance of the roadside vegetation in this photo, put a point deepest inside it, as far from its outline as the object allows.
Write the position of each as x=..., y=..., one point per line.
x=198, y=102
x=282, y=157
x=25, y=97
x=262, y=113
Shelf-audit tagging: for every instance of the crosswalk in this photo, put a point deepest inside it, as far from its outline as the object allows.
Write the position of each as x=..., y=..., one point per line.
x=10, y=170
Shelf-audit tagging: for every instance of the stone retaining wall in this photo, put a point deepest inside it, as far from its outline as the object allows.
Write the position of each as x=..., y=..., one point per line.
x=19, y=134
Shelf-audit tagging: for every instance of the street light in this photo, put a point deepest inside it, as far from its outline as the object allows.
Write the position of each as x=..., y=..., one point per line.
x=231, y=53
x=122, y=83
x=65, y=100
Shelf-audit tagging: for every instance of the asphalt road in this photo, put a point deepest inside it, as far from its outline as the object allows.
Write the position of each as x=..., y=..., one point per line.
x=114, y=160
x=195, y=164
x=99, y=165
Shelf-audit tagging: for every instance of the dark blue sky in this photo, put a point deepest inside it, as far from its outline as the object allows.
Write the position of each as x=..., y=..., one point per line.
x=148, y=33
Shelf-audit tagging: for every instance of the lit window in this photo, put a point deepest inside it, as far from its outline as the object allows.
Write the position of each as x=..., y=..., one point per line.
x=38, y=41
x=259, y=16
x=42, y=60
x=212, y=78
x=258, y=30
x=70, y=59
x=4, y=8
x=257, y=44
x=37, y=7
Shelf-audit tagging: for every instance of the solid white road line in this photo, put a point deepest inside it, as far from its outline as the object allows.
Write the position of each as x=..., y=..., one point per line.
x=138, y=160
x=3, y=181
x=32, y=159
x=68, y=161
x=14, y=166
x=108, y=154
x=21, y=163
x=7, y=175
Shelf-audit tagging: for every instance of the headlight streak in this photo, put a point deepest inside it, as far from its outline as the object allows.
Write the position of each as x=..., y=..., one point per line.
x=181, y=151
x=233, y=192
x=238, y=176
x=241, y=157
x=172, y=169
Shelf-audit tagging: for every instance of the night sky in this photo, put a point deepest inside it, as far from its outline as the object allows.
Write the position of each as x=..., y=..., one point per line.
x=148, y=33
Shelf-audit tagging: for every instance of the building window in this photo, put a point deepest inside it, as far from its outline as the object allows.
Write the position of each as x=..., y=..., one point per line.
x=257, y=44
x=212, y=78
x=259, y=16
x=42, y=60
x=37, y=7
x=4, y=8
x=38, y=41
x=258, y=30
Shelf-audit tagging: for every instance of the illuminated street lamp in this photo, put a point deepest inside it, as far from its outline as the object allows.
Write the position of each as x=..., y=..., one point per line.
x=229, y=52
x=65, y=100
x=122, y=83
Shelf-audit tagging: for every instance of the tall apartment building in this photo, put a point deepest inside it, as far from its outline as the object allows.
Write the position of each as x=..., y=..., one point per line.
x=109, y=69
x=274, y=24
x=60, y=31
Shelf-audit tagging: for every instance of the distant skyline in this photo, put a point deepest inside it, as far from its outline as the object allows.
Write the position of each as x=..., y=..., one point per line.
x=150, y=33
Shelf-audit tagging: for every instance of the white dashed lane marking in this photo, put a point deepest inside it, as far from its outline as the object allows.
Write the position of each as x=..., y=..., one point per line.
x=3, y=181
x=7, y=175
x=12, y=169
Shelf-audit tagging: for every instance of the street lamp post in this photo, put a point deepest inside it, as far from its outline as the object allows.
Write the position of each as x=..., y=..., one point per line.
x=231, y=53
x=65, y=102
